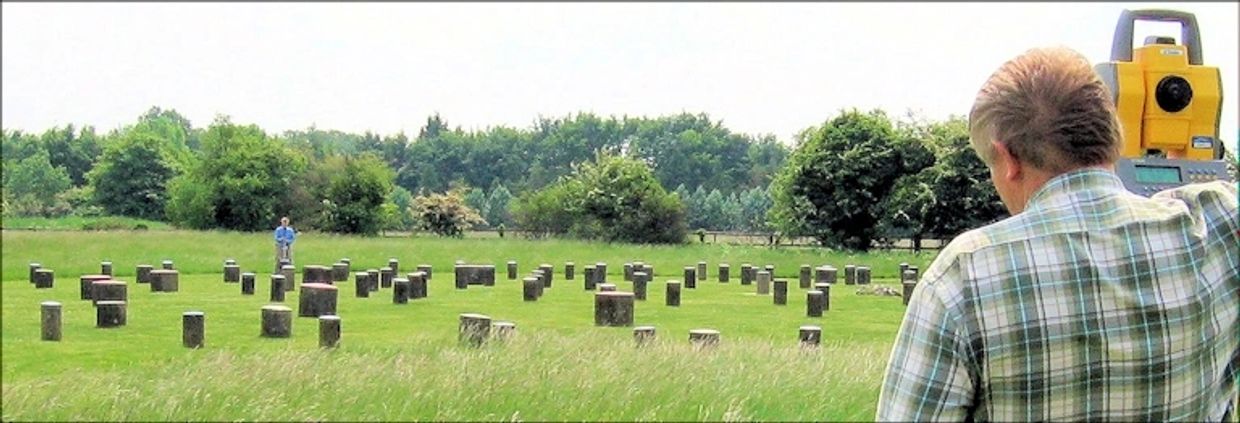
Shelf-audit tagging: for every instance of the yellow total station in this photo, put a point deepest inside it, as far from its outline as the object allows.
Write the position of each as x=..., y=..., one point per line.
x=1166, y=99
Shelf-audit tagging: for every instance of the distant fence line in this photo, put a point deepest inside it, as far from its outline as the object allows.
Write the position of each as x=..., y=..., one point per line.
x=712, y=237
x=716, y=237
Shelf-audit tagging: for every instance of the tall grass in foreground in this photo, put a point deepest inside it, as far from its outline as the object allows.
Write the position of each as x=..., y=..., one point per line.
x=531, y=377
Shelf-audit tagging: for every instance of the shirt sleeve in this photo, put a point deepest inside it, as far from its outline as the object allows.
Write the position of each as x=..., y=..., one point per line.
x=927, y=376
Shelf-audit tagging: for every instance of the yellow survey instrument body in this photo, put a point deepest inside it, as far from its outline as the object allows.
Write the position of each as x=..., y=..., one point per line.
x=1169, y=105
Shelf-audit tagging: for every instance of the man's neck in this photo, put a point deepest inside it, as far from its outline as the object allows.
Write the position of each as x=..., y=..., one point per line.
x=1035, y=179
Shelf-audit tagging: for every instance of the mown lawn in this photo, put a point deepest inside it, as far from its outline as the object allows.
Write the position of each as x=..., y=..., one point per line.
x=402, y=362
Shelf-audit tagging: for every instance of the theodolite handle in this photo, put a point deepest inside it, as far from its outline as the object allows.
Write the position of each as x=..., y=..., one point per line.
x=1121, y=45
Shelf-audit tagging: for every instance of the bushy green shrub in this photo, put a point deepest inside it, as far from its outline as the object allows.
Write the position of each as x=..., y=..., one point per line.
x=612, y=199
x=445, y=214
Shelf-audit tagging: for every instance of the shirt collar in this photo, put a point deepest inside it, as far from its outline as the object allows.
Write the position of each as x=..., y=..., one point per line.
x=1076, y=185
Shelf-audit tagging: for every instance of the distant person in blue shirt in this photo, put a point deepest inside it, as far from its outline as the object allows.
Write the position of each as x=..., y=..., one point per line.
x=284, y=242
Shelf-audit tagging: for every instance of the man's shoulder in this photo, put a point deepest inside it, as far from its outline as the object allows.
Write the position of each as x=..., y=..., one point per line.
x=981, y=240
x=1217, y=194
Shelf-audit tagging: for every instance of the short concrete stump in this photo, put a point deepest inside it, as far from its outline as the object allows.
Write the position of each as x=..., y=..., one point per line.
x=529, y=288
x=394, y=264
x=781, y=292
x=810, y=336
x=316, y=274
x=192, y=327
x=825, y=274
x=909, y=276
x=109, y=290
x=863, y=275
x=503, y=331
x=290, y=276
x=673, y=294
x=815, y=301
x=764, y=283
x=44, y=278
x=543, y=279
x=164, y=280
x=825, y=288
x=143, y=273
x=589, y=279
x=109, y=314
x=643, y=334
x=570, y=271
x=166, y=265
x=474, y=274
x=903, y=267
x=701, y=271
x=850, y=274
x=329, y=331
x=691, y=277
x=600, y=272
x=232, y=273
x=746, y=274
x=426, y=269
x=613, y=308
x=512, y=270
x=400, y=291
x=641, y=281
x=474, y=330
x=628, y=272
x=340, y=272
x=372, y=278
x=725, y=272
x=247, y=283
x=704, y=338
x=607, y=287
x=317, y=299
x=105, y=268
x=277, y=321
x=417, y=285
x=541, y=286
x=548, y=274
x=385, y=277
x=361, y=282
x=51, y=319
x=33, y=268
x=88, y=283
x=908, y=291
x=277, y=288
x=806, y=276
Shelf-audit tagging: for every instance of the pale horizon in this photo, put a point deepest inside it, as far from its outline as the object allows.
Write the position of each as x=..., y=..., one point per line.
x=759, y=68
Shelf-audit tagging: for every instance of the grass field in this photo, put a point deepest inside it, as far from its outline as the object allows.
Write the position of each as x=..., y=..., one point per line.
x=402, y=362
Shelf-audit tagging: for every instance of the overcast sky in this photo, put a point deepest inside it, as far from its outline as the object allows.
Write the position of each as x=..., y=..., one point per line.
x=760, y=68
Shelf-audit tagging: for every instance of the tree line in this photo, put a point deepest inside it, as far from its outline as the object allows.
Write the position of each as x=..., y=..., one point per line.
x=856, y=179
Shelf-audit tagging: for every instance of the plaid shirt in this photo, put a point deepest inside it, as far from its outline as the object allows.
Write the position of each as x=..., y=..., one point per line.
x=1092, y=304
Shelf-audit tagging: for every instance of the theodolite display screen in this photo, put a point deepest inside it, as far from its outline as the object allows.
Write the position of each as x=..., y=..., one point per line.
x=1157, y=175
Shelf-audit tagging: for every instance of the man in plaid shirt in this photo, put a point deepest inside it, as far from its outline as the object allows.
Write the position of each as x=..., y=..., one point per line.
x=1090, y=302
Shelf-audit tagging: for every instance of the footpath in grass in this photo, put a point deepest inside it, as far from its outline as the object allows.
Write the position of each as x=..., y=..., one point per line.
x=402, y=362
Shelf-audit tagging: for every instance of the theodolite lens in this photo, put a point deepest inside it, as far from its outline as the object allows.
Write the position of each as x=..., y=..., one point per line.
x=1173, y=93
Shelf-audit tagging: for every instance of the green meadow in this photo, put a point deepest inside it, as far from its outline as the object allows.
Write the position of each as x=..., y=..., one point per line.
x=403, y=362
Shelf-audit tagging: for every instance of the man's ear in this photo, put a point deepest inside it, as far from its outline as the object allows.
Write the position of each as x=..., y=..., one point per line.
x=1012, y=170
